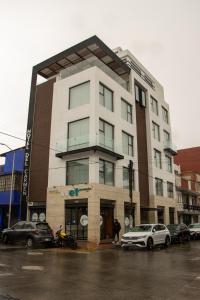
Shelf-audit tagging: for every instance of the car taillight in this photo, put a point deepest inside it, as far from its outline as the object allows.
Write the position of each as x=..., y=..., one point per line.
x=35, y=231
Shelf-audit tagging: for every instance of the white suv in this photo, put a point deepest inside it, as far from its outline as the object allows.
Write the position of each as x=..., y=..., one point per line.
x=146, y=236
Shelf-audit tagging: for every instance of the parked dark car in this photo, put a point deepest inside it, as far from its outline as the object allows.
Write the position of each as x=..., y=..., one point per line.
x=194, y=230
x=29, y=232
x=179, y=232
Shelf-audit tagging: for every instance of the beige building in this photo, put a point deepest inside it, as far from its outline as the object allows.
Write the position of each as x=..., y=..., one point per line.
x=104, y=111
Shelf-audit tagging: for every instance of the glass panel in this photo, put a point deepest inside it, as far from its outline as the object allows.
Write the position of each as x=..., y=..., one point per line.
x=137, y=97
x=78, y=171
x=101, y=171
x=79, y=95
x=108, y=99
x=78, y=134
x=125, y=178
x=123, y=110
x=109, y=174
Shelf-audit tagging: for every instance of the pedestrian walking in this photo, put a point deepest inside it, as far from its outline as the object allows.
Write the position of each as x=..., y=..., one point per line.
x=116, y=230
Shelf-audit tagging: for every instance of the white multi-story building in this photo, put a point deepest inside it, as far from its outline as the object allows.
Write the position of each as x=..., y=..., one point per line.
x=99, y=110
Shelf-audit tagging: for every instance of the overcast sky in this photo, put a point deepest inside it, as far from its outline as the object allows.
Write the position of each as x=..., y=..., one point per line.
x=163, y=34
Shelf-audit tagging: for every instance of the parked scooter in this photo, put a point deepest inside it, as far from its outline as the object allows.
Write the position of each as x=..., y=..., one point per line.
x=65, y=240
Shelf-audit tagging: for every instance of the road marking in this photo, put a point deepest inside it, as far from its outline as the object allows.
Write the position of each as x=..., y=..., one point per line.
x=33, y=268
x=6, y=274
x=35, y=253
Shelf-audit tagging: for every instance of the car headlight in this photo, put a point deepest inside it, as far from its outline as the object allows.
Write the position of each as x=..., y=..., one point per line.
x=142, y=237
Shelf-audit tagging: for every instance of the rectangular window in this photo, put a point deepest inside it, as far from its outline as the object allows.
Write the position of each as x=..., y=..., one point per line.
x=170, y=190
x=126, y=178
x=166, y=137
x=159, y=186
x=154, y=105
x=126, y=111
x=127, y=143
x=168, y=163
x=106, y=172
x=79, y=95
x=165, y=115
x=77, y=171
x=157, y=159
x=78, y=134
x=105, y=97
x=140, y=95
x=156, y=131
x=106, y=135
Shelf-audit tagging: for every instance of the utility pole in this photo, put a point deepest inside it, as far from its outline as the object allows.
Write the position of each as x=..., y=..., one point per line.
x=130, y=172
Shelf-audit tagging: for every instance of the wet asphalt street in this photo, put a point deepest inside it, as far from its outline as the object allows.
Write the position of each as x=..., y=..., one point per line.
x=57, y=274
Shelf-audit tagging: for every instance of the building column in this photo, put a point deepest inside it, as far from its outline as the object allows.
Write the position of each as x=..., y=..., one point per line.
x=175, y=216
x=137, y=214
x=153, y=216
x=94, y=219
x=166, y=215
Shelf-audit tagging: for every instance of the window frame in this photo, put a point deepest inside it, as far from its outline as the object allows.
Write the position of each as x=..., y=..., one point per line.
x=128, y=105
x=132, y=143
x=159, y=189
x=165, y=115
x=103, y=131
x=154, y=126
x=141, y=90
x=170, y=189
x=133, y=183
x=168, y=158
x=74, y=160
x=103, y=94
x=88, y=81
x=104, y=171
x=158, y=164
x=68, y=124
x=153, y=100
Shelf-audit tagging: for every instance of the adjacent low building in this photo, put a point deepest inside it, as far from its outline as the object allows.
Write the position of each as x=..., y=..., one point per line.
x=11, y=187
x=99, y=112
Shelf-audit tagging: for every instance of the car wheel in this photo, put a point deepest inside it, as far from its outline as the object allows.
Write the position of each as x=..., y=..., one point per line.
x=149, y=244
x=167, y=242
x=29, y=243
x=5, y=239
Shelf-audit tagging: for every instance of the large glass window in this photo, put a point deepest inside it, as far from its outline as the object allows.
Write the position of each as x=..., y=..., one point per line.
x=127, y=142
x=79, y=95
x=166, y=137
x=77, y=171
x=159, y=186
x=126, y=178
x=106, y=135
x=165, y=115
x=157, y=159
x=168, y=163
x=170, y=190
x=106, y=172
x=105, y=97
x=126, y=111
x=78, y=134
x=140, y=95
x=154, y=105
x=156, y=131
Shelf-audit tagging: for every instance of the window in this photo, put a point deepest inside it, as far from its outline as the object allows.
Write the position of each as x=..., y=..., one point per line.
x=156, y=131
x=106, y=135
x=77, y=171
x=168, y=163
x=126, y=178
x=165, y=115
x=78, y=134
x=166, y=137
x=157, y=159
x=105, y=97
x=140, y=95
x=170, y=190
x=126, y=111
x=159, y=186
x=106, y=172
x=79, y=95
x=127, y=142
x=154, y=106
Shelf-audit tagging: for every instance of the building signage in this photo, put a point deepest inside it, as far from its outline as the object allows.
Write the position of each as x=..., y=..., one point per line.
x=84, y=220
x=27, y=164
x=74, y=192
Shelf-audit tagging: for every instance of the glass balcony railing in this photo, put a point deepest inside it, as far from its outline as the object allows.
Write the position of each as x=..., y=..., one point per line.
x=169, y=147
x=78, y=142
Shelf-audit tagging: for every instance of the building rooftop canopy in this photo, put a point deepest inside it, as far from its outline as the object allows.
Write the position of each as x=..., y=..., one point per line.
x=92, y=47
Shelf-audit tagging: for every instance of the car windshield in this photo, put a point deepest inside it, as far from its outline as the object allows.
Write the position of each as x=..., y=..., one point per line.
x=42, y=226
x=141, y=228
x=194, y=226
x=173, y=227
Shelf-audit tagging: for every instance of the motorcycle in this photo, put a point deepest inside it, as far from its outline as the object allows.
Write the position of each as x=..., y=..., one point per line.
x=65, y=240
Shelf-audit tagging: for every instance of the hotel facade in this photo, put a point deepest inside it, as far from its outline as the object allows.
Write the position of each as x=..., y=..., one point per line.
x=99, y=112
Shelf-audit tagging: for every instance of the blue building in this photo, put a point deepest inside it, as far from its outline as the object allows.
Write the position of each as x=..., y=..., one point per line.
x=11, y=189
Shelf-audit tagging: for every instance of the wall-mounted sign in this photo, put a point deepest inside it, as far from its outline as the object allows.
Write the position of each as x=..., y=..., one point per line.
x=126, y=221
x=34, y=217
x=84, y=220
x=42, y=217
x=74, y=192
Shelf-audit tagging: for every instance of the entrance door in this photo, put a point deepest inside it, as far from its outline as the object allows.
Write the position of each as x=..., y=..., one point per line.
x=106, y=228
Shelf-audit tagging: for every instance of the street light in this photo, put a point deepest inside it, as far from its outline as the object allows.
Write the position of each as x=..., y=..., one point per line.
x=12, y=183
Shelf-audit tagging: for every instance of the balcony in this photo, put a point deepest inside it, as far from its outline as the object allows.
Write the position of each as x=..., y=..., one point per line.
x=81, y=144
x=170, y=148
x=191, y=207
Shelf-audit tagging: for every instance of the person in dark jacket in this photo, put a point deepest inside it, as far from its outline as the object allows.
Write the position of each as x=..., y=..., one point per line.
x=116, y=230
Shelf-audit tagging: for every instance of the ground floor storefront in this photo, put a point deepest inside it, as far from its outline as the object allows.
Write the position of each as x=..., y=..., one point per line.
x=88, y=211
x=188, y=217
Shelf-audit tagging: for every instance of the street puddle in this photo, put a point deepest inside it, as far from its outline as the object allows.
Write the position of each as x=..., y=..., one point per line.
x=33, y=268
